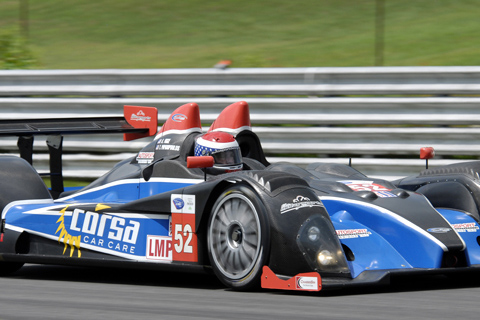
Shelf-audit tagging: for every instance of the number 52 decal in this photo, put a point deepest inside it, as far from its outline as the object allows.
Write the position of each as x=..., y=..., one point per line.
x=184, y=237
x=183, y=223
x=179, y=236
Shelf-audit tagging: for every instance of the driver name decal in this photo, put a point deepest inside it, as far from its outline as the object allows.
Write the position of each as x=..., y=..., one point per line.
x=165, y=144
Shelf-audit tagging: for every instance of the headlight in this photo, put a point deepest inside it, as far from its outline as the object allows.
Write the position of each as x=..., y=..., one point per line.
x=319, y=244
x=313, y=234
x=325, y=257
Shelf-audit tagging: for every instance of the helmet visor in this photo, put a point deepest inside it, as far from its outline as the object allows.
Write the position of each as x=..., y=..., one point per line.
x=230, y=156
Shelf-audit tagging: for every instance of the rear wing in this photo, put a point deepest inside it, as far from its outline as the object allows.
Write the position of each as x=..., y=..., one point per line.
x=137, y=122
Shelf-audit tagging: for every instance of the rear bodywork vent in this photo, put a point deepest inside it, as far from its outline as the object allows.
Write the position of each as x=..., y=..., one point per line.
x=470, y=169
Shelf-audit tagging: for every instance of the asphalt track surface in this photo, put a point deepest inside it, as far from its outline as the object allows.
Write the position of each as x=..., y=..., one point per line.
x=53, y=292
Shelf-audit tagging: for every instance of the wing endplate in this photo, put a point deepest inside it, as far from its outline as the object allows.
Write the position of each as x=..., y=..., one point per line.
x=140, y=118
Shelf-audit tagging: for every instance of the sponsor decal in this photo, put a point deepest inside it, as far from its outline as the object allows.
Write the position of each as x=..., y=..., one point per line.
x=121, y=234
x=300, y=198
x=439, y=230
x=306, y=283
x=378, y=189
x=159, y=248
x=183, y=203
x=184, y=237
x=183, y=228
x=353, y=233
x=101, y=230
x=178, y=203
x=298, y=203
x=145, y=157
x=310, y=281
x=164, y=144
x=179, y=117
x=465, y=227
x=140, y=116
x=65, y=237
x=385, y=194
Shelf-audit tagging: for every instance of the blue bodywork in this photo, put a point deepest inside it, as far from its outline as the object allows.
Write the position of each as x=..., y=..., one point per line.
x=382, y=240
x=77, y=221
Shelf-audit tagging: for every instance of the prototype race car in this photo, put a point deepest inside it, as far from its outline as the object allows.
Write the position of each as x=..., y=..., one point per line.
x=180, y=205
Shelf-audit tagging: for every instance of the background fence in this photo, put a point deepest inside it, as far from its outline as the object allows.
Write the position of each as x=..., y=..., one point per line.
x=378, y=116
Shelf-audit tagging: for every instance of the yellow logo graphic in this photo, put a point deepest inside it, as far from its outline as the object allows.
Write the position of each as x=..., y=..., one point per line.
x=67, y=238
x=101, y=206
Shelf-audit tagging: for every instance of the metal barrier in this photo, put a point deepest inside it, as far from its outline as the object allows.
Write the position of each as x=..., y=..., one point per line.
x=320, y=127
x=243, y=81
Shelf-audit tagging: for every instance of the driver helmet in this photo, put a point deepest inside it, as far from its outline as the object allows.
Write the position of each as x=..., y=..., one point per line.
x=223, y=148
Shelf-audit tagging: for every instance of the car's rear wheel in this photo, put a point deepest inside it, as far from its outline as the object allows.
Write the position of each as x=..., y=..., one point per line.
x=238, y=238
x=18, y=181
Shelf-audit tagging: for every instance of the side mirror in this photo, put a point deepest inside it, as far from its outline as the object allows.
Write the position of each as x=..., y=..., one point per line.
x=200, y=162
x=427, y=153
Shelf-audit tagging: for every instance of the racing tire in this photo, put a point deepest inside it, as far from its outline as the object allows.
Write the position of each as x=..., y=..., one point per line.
x=18, y=181
x=238, y=238
x=451, y=194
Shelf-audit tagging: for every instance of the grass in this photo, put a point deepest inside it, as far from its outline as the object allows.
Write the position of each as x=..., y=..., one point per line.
x=268, y=33
x=68, y=183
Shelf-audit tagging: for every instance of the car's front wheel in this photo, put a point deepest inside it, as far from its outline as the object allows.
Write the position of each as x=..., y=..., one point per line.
x=238, y=238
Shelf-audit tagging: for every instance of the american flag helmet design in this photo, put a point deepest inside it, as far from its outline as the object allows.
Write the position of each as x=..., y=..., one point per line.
x=224, y=149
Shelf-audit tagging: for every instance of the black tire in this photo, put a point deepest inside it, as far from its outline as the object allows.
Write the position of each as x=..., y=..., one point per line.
x=18, y=181
x=238, y=238
x=452, y=195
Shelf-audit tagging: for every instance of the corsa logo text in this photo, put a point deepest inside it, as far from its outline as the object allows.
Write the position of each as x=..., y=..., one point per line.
x=107, y=231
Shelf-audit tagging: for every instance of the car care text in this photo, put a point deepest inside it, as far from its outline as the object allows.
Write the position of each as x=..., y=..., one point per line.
x=106, y=231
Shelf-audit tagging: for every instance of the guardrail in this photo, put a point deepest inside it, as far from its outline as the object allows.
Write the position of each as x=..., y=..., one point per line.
x=314, y=124
x=243, y=81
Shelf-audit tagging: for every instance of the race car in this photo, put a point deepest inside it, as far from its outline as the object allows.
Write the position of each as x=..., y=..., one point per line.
x=211, y=202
